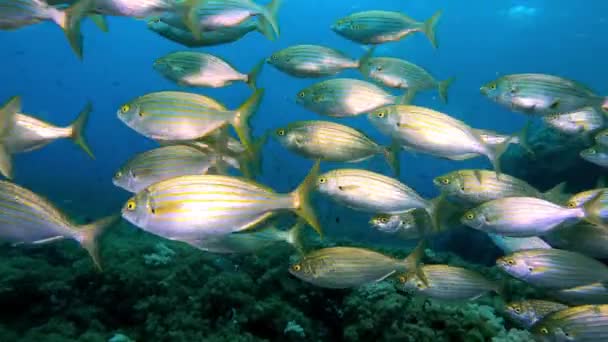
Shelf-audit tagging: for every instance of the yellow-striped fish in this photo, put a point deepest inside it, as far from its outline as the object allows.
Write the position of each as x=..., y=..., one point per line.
x=197, y=69
x=334, y=142
x=311, y=61
x=478, y=186
x=586, y=323
x=370, y=192
x=179, y=116
x=135, y=8
x=594, y=293
x=348, y=267
x=528, y=312
x=209, y=15
x=438, y=134
x=597, y=155
x=447, y=282
x=341, y=97
x=401, y=74
x=584, y=238
x=553, y=268
x=583, y=121
x=377, y=27
x=15, y=14
x=581, y=198
x=540, y=94
x=192, y=208
x=164, y=163
x=27, y=218
x=520, y=216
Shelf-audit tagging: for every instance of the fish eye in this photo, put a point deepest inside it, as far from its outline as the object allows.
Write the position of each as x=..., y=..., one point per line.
x=419, y=285
x=544, y=331
x=155, y=20
x=445, y=181
x=384, y=219
x=511, y=262
x=281, y=132
x=402, y=279
x=274, y=57
x=322, y=180
x=131, y=205
x=379, y=67
x=493, y=86
x=296, y=267
x=591, y=151
x=118, y=174
x=301, y=94
x=125, y=108
x=381, y=114
x=517, y=310
x=571, y=204
x=469, y=216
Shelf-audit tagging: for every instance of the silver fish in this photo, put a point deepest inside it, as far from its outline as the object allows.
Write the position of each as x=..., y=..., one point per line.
x=510, y=245
x=579, y=323
x=528, y=312
x=597, y=155
x=311, y=61
x=583, y=121
x=594, y=293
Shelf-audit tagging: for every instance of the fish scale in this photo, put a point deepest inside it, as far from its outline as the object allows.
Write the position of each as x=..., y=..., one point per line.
x=580, y=323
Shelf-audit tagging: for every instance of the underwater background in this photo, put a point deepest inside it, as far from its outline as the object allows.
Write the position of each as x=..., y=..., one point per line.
x=156, y=290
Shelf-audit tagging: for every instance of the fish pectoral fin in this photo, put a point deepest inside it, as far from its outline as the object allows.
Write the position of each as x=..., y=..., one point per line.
x=6, y=164
x=539, y=269
x=386, y=276
x=407, y=126
x=555, y=104
x=347, y=187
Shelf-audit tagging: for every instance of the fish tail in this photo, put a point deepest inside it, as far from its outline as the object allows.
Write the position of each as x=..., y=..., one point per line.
x=555, y=193
x=78, y=127
x=522, y=137
x=242, y=116
x=7, y=121
x=413, y=261
x=590, y=209
x=190, y=17
x=252, y=77
x=369, y=53
x=430, y=27
x=494, y=153
x=442, y=88
x=70, y=21
x=269, y=21
x=407, y=97
x=87, y=236
x=391, y=154
x=301, y=199
x=100, y=21
x=295, y=235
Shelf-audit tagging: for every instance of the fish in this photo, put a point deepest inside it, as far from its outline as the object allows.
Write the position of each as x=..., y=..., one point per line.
x=172, y=28
x=476, y=186
x=528, y=312
x=553, y=268
x=579, y=323
x=540, y=94
x=181, y=116
x=580, y=122
x=404, y=224
x=197, y=69
x=520, y=216
x=135, y=9
x=377, y=27
x=445, y=282
x=370, y=192
x=602, y=138
x=329, y=141
x=580, y=199
x=15, y=14
x=596, y=208
x=594, y=293
x=247, y=243
x=27, y=218
x=435, y=133
x=343, y=97
x=510, y=245
x=584, y=237
x=208, y=15
x=192, y=208
x=309, y=61
x=401, y=74
x=350, y=267
x=159, y=164
x=597, y=155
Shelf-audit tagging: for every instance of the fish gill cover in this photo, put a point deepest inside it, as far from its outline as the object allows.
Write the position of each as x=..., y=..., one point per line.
x=303, y=171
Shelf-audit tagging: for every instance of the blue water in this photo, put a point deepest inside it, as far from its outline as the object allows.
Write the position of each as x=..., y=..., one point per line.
x=479, y=41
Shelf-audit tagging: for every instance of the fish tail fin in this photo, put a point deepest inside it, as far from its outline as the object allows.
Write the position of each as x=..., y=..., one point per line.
x=78, y=127
x=7, y=122
x=252, y=77
x=242, y=117
x=430, y=27
x=87, y=236
x=269, y=21
x=522, y=137
x=369, y=53
x=407, y=97
x=295, y=236
x=251, y=164
x=591, y=208
x=391, y=154
x=494, y=153
x=190, y=18
x=555, y=193
x=70, y=21
x=413, y=261
x=442, y=88
x=100, y=21
x=301, y=199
